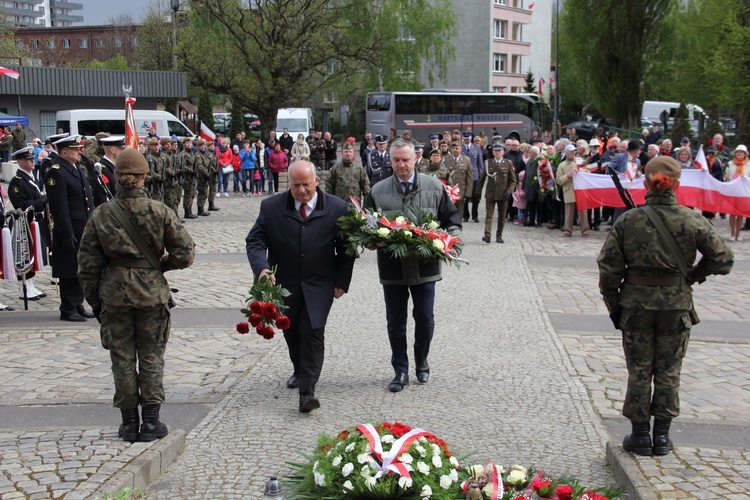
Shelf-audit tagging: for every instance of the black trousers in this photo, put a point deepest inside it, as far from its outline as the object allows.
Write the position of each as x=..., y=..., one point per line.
x=396, y=309
x=71, y=296
x=474, y=200
x=306, y=349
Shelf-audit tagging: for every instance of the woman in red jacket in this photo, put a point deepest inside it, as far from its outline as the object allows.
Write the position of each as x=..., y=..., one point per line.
x=277, y=163
x=225, y=157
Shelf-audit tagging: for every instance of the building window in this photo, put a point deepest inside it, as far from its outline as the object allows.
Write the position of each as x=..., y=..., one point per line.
x=500, y=29
x=98, y=43
x=500, y=63
x=34, y=44
x=517, y=32
x=51, y=43
x=498, y=89
x=66, y=43
x=117, y=42
x=133, y=41
x=83, y=43
x=516, y=62
x=19, y=43
x=499, y=2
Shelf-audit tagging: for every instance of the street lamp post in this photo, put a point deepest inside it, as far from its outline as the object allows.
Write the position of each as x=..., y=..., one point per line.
x=557, y=69
x=175, y=9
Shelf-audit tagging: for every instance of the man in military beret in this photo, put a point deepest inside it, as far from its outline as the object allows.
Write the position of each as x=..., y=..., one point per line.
x=155, y=178
x=187, y=160
x=213, y=172
x=71, y=203
x=348, y=178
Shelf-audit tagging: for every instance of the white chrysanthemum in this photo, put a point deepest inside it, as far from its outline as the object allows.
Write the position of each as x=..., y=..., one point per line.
x=337, y=460
x=426, y=491
x=349, y=448
x=386, y=438
x=347, y=469
x=453, y=461
x=520, y=468
x=376, y=214
x=370, y=482
x=362, y=458
x=435, y=448
x=422, y=439
x=420, y=449
x=487, y=490
x=405, y=482
x=348, y=485
x=445, y=482
x=320, y=478
x=438, y=244
x=315, y=465
x=453, y=475
x=423, y=468
x=436, y=461
x=366, y=471
x=383, y=231
x=406, y=458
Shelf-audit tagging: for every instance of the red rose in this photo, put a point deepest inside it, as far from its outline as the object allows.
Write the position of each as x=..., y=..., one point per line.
x=564, y=492
x=539, y=484
x=269, y=333
x=256, y=307
x=260, y=329
x=255, y=320
x=343, y=435
x=269, y=310
x=243, y=327
x=283, y=323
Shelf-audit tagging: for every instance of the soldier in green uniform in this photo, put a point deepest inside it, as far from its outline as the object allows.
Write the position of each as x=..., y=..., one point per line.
x=187, y=160
x=129, y=296
x=92, y=154
x=650, y=299
x=435, y=166
x=155, y=182
x=348, y=178
x=318, y=151
x=459, y=172
x=202, y=166
x=177, y=181
x=169, y=172
x=421, y=161
x=213, y=171
x=500, y=176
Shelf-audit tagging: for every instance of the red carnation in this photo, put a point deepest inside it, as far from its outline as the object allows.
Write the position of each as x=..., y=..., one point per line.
x=243, y=327
x=343, y=435
x=269, y=310
x=255, y=320
x=256, y=307
x=564, y=492
x=283, y=323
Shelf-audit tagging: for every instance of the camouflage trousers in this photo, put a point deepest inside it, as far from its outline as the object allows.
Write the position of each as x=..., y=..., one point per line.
x=202, y=193
x=136, y=340
x=172, y=195
x=158, y=193
x=655, y=343
x=189, y=195
x=212, y=190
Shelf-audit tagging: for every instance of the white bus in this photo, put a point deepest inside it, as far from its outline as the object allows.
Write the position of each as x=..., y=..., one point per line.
x=427, y=113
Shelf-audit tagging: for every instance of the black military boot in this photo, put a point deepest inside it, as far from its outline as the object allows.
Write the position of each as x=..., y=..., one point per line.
x=190, y=215
x=213, y=208
x=128, y=430
x=639, y=442
x=202, y=212
x=662, y=443
x=152, y=429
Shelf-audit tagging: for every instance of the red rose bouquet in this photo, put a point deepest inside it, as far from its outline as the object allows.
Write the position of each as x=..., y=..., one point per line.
x=265, y=309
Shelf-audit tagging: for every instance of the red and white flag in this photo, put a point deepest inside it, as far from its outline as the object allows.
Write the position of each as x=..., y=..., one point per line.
x=131, y=132
x=700, y=159
x=697, y=189
x=541, y=85
x=531, y=5
x=206, y=133
x=9, y=72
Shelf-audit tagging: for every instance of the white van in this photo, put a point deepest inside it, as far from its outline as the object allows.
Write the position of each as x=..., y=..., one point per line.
x=88, y=122
x=295, y=120
x=652, y=111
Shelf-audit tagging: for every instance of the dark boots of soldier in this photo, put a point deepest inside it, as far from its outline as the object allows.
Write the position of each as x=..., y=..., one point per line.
x=662, y=443
x=128, y=430
x=202, y=212
x=213, y=208
x=639, y=442
x=152, y=428
x=190, y=215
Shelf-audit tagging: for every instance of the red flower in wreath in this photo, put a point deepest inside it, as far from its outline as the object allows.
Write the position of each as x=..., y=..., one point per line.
x=243, y=327
x=343, y=435
x=255, y=320
x=256, y=307
x=269, y=311
x=564, y=492
x=283, y=323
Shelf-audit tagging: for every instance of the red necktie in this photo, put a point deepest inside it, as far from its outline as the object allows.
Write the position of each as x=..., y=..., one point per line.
x=303, y=211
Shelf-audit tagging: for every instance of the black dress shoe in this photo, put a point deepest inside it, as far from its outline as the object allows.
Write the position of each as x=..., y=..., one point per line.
x=398, y=382
x=75, y=317
x=293, y=381
x=486, y=239
x=84, y=313
x=475, y=220
x=466, y=219
x=35, y=297
x=423, y=372
x=499, y=239
x=308, y=403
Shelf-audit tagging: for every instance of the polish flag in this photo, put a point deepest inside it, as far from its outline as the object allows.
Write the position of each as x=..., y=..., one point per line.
x=700, y=159
x=9, y=72
x=697, y=189
x=531, y=5
x=131, y=132
x=541, y=85
x=206, y=133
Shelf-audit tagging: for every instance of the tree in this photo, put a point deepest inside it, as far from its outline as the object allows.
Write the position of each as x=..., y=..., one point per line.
x=712, y=125
x=681, y=125
x=238, y=120
x=530, y=83
x=206, y=109
x=154, y=39
x=8, y=47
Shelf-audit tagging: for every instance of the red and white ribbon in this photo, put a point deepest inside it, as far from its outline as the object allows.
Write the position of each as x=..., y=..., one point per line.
x=386, y=463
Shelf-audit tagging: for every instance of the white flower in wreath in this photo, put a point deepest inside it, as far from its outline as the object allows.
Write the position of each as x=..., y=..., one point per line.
x=435, y=449
x=520, y=468
x=405, y=482
x=436, y=461
x=347, y=469
x=386, y=438
x=453, y=461
x=438, y=244
x=423, y=468
x=315, y=465
x=366, y=471
x=320, y=478
x=383, y=231
x=400, y=219
x=487, y=490
x=337, y=460
x=362, y=458
x=348, y=485
x=453, y=475
x=370, y=483
x=433, y=224
x=426, y=491
x=422, y=439
x=516, y=477
x=408, y=234
x=406, y=458
x=445, y=482
x=349, y=448
x=420, y=449
x=476, y=471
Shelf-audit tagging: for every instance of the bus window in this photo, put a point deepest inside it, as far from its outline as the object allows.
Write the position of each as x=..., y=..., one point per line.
x=379, y=102
x=493, y=104
x=468, y=105
x=519, y=105
x=64, y=125
x=411, y=104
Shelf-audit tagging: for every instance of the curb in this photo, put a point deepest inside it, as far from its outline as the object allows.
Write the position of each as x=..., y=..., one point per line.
x=147, y=466
x=628, y=474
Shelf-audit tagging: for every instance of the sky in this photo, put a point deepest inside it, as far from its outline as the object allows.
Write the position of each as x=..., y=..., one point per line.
x=97, y=12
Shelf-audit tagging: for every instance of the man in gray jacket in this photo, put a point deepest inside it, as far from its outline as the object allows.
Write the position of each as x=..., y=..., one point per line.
x=409, y=275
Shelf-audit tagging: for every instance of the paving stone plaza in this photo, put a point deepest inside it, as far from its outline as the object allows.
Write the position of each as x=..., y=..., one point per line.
x=526, y=368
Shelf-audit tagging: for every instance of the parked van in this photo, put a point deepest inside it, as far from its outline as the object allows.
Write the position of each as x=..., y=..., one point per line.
x=88, y=122
x=296, y=120
x=652, y=111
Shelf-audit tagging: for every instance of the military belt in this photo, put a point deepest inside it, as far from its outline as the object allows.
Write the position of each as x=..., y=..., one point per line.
x=133, y=263
x=672, y=280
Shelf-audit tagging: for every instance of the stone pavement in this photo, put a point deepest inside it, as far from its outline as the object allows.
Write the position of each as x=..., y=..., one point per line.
x=526, y=369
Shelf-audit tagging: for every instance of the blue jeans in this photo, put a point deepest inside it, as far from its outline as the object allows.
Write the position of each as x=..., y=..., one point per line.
x=247, y=175
x=237, y=180
x=396, y=309
x=223, y=180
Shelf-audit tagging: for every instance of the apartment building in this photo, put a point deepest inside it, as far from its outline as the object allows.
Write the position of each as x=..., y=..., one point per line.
x=49, y=13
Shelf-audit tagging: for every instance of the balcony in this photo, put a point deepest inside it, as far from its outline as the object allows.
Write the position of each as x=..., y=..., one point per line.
x=62, y=4
x=22, y=12
x=69, y=18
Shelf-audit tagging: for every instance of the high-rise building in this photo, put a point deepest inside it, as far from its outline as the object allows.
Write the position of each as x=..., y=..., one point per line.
x=49, y=13
x=497, y=42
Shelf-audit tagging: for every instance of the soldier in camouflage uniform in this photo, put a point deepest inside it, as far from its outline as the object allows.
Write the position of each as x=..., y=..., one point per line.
x=213, y=171
x=170, y=173
x=129, y=297
x=92, y=154
x=187, y=160
x=460, y=173
x=318, y=151
x=500, y=176
x=651, y=301
x=202, y=166
x=156, y=170
x=348, y=178
x=435, y=166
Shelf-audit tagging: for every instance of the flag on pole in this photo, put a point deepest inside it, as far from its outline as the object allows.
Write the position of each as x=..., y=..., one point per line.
x=541, y=85
x=206, y=133
x=9, y=72
x=700, y=159
x=531, y=5
x=131, y=132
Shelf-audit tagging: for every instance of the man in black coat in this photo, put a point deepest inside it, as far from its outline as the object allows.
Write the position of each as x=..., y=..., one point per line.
x=71, y=203
x=105, y=186
x=297, y=232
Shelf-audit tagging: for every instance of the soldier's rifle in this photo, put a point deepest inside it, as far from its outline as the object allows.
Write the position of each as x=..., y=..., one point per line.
x=625, y=195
